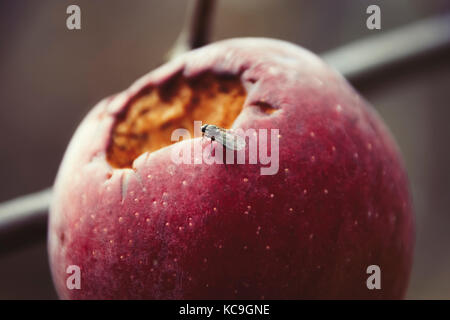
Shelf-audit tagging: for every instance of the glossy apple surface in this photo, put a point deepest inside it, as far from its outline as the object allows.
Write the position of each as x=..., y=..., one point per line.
x=140, y=226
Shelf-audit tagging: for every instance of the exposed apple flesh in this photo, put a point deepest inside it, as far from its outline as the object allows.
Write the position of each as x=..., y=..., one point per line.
x=140, y=226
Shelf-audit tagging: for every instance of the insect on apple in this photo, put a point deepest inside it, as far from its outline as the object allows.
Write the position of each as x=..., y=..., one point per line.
x=224, y=137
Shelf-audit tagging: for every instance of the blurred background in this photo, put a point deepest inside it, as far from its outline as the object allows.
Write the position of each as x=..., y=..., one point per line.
x=50, y=77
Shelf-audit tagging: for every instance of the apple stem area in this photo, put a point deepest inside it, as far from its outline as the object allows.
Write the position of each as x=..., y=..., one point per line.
x=196, y=29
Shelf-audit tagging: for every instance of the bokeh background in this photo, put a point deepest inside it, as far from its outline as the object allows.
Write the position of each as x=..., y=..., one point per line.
x=50, y=77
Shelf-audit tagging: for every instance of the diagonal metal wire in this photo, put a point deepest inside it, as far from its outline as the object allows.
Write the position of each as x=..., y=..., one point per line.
x=24, y=220
x=375, y=55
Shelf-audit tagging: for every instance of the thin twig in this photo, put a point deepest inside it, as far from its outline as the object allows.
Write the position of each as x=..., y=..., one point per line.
x=196, y=29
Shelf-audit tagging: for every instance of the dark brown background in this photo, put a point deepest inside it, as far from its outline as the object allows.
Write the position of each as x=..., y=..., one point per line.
x=50, y=77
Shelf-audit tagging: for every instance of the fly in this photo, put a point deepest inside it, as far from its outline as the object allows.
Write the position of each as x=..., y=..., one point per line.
x=224, y=137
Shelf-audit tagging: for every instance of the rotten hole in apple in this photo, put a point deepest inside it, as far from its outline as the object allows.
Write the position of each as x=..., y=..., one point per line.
x=147, y=122
x=265, y=107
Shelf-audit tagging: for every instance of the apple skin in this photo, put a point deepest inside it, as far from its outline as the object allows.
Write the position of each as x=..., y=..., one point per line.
x=339, y=202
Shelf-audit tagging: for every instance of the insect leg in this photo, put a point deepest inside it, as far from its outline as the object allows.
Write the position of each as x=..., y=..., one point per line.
x=211, y=146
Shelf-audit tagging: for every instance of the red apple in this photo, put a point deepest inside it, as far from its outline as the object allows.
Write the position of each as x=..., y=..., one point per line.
x=140, y=226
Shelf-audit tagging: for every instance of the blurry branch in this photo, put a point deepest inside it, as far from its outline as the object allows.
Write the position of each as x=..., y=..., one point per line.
x=24, y=219
x=409, y=45
x=196, y=29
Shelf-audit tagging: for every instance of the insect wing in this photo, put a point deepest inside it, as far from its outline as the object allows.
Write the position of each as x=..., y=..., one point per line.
x=232, y=141
x=213, y=132
x=225, y=137
x=240, y=143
